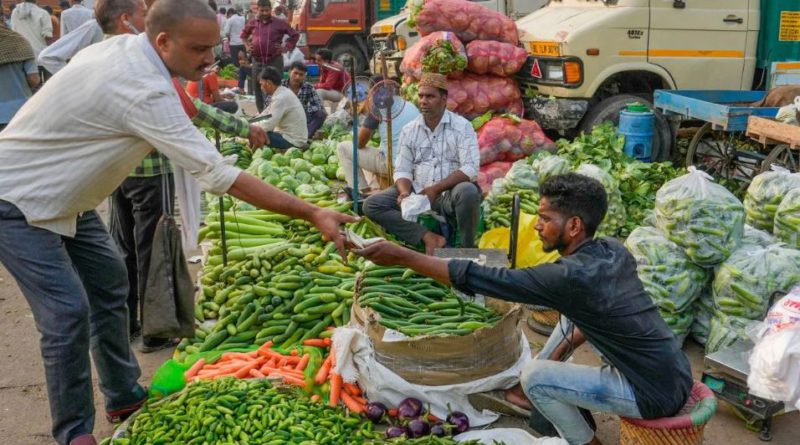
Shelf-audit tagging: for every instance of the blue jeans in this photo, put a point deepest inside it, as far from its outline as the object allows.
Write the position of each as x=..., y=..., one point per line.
x=558, y=389
x=77, y=290
x=276, y=140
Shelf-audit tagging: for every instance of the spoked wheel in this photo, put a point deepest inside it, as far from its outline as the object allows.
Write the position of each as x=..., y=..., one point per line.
x=717, y=154
x=784, y=156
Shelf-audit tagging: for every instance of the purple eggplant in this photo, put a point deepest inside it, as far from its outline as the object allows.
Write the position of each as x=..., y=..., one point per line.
x=459, y=421
x=375, y=411
x=418, y=428
x=438, y=430
x=395, y=431
x=409, y=408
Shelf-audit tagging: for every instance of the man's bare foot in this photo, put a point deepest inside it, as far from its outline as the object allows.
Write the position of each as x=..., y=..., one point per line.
x=432, y=241
x=517, y=396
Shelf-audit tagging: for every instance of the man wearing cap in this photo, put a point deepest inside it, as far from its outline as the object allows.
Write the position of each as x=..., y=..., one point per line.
x=437, y=157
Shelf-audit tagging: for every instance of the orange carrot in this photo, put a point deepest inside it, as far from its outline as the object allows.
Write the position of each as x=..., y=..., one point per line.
x=265, y=347
x=352, y=389
x=336, y=389
x=282, y=362
x=315, y=398
x=256, y=373
x=301, y=365
x=322, y=374
x=328, y=341
x=294, y=352
x=194, y=369
x=245, y=370
x=352, y=404
x=317, y=342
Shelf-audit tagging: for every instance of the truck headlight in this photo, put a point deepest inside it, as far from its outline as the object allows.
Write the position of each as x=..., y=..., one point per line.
x=554, y=72
x=401, y=43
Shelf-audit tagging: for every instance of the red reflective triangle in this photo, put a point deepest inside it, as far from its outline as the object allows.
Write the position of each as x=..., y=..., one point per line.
x=536, y=70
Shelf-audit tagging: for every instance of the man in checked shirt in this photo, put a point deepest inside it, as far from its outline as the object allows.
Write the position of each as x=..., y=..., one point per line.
x=437, y=157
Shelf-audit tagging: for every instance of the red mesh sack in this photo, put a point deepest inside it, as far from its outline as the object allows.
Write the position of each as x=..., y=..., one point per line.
x=412, y=64
x=468, y=20
x=506, y=139
x=491, y=57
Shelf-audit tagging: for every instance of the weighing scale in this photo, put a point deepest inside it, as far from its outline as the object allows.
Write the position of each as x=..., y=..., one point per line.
x=726, y=375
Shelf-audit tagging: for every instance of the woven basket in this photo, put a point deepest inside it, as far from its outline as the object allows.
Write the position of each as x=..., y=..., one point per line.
x=547, y=317
x=685, y=428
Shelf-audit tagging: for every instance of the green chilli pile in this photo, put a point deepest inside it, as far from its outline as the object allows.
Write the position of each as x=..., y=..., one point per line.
x=787, y=219
x=764, y=195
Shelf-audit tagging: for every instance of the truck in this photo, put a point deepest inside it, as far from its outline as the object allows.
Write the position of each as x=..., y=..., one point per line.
x=590, y=58
x=342, y=26
x=390, y=37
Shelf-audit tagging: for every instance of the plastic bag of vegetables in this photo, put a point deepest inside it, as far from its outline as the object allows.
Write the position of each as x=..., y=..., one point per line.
x=521, y=177
x=765, y=194
x=755, y=237
x=745, y=282
x=616, y=215
x=725, y=331
x=787, y=219
x=511, y=138
x=672, y=281
x=491, y=57
x=470, y=21
x=476, y=94
x=703, y=309
x=702, y=217
x=679, y=323
x=491, y=172
x=547, y=166
x=440, y=52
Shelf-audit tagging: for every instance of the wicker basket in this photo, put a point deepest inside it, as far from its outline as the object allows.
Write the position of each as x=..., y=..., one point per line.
x=685, y=428
x=542, y=319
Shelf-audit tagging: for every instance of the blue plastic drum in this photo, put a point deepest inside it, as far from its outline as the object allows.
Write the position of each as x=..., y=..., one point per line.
x=636, y=123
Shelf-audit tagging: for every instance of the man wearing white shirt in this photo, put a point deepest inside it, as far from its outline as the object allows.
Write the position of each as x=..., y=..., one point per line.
x=233, y=32
x=54, y=173
x=437, y=157
x=286, y=127
x=33, y=23
x=74, y=17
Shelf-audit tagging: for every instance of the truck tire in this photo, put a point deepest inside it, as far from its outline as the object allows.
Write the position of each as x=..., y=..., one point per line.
x=608, y=110
x=344, y=50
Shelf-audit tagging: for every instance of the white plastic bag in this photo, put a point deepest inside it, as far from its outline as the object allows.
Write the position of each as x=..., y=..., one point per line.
x=511, y=436
x=355, y=361
x=765, y=194
x=775, y=360
x=790, y=113
x=413, y=206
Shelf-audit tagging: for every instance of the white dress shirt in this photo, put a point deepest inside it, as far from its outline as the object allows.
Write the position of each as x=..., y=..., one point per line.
x=56, y=56
x=81, y=135
x=74, y=17
x=233, y=30
x=426, y=157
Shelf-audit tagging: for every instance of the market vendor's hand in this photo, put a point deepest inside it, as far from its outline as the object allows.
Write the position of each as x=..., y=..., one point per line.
x=401, y=196
x=430, y=193
x=384, y=253
x=257, y=137
x=328, y=222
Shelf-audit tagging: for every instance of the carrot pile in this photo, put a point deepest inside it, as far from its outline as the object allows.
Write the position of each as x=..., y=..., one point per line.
x=263, y=362
x=348, y=393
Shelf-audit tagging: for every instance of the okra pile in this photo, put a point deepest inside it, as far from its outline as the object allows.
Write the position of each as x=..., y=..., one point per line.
x=244, y=412
x=415, y=305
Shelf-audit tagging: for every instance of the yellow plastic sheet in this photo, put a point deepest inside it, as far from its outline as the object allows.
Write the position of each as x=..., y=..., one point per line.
x=529, y=247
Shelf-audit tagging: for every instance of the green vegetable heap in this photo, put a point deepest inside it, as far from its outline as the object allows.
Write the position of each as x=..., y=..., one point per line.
x=243, y=412
x=787, y=219
x=615, y=217
x=765, y=194
x=414, y=305
x=520, y=179
x=442, y=58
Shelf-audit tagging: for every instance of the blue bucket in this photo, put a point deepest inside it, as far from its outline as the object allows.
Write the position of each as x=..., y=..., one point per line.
x=636, y=123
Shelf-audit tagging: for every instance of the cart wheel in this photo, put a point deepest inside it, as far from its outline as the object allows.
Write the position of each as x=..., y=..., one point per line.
x=716, y=153
x=784, y=156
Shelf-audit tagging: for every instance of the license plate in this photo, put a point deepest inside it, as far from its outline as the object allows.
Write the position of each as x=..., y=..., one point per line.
x=550, y=49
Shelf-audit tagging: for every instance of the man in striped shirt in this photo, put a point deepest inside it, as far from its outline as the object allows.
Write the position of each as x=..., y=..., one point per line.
x=437, y=157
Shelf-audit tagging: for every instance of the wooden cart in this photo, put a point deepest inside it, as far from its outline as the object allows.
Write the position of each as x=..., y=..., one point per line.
x=784, y=138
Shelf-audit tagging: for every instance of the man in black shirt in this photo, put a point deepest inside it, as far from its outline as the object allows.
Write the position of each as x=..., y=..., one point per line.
x=595, y=286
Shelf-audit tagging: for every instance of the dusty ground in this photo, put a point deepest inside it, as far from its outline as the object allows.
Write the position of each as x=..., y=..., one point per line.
x=25, y=418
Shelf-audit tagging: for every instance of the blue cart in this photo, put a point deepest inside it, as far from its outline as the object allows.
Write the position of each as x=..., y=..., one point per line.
x=720, y=146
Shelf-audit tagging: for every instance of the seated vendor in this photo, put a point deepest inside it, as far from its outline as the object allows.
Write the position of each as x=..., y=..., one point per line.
x=286, y=126
x=595, y=287
x=312, y=104
x=369, y=159
x=437, y=156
